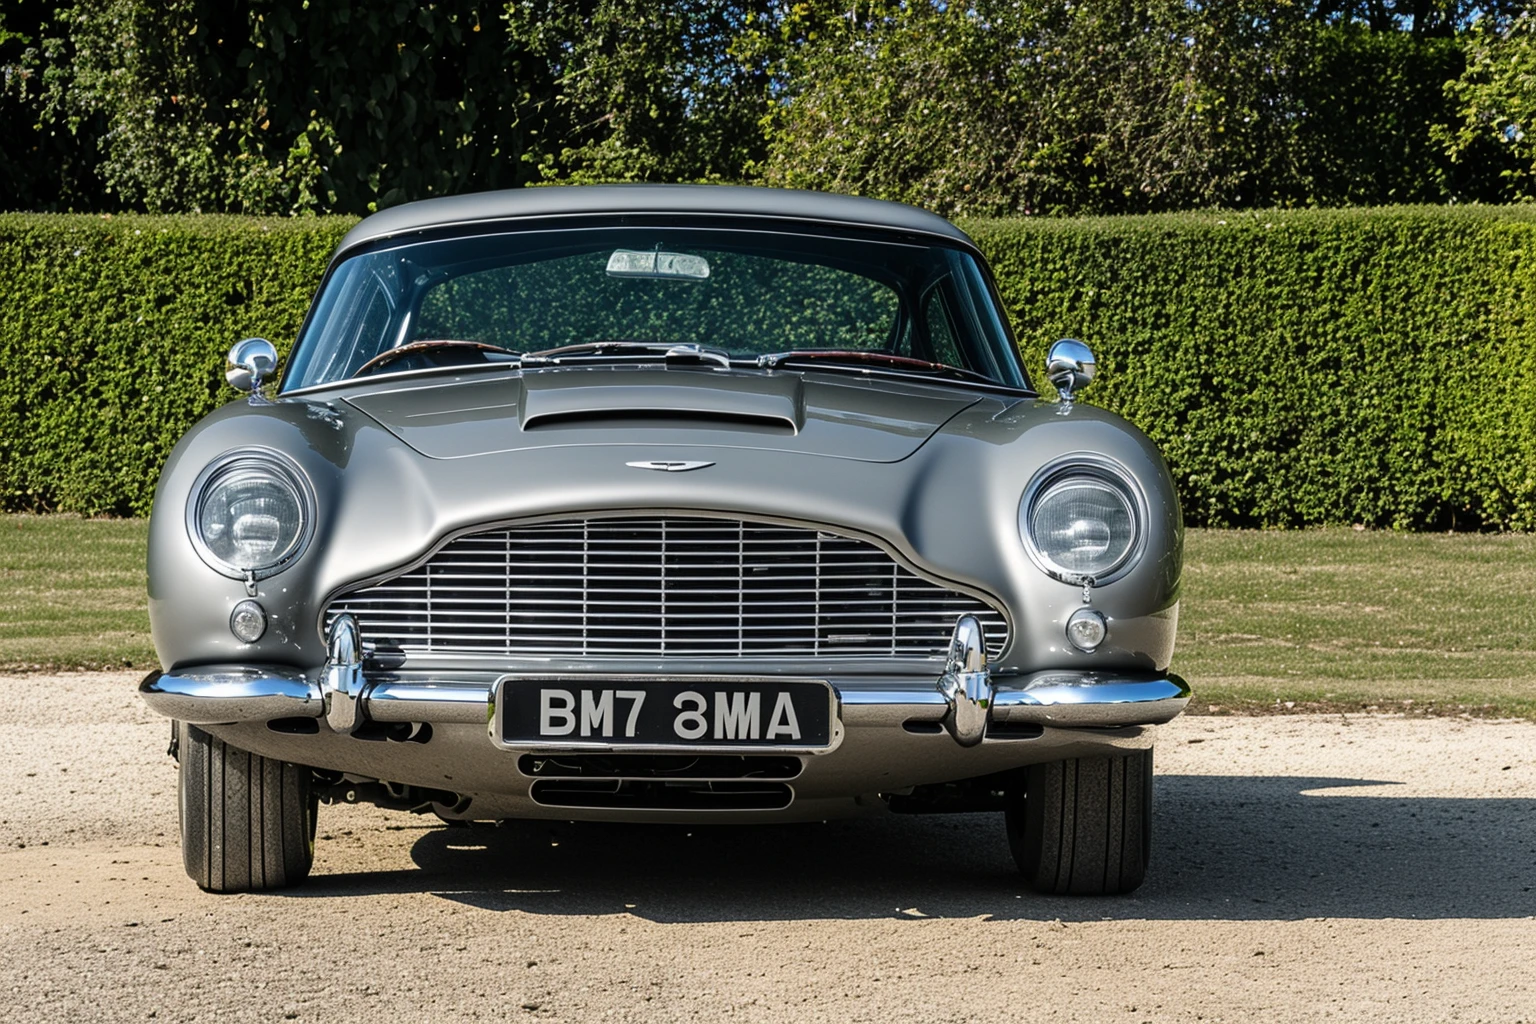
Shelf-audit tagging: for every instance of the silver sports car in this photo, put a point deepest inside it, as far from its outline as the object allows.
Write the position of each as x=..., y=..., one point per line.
x=667, y=504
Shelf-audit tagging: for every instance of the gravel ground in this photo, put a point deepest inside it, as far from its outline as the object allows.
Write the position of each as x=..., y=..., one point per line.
x=1356, y=868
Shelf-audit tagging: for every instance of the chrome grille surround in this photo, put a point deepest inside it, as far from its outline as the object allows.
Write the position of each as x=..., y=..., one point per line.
x=662, y=587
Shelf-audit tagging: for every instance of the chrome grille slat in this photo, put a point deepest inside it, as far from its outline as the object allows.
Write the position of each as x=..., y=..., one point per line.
x=664, y=587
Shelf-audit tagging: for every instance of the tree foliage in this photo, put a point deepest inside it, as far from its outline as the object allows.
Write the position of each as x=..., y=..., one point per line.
x=1108, y=106
x=989, y=107
x=996, y=108
x=646, y=90
x=290, y=106
x=280, y=106
x=44, y=165
x=1497, y=104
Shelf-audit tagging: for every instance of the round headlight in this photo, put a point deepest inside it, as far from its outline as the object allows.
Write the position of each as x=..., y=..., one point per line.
x=250, y=513
x=1080, y=520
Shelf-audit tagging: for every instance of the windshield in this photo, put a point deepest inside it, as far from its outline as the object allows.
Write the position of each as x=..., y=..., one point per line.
x=613, y=292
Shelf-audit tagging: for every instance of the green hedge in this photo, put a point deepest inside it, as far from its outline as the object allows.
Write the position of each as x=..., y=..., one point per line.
x=113, y=332
x=1364, y=366
x=1372, y=367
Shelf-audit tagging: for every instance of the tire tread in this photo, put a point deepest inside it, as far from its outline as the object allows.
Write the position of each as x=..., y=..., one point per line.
x=247, y=821
x=1083, y=826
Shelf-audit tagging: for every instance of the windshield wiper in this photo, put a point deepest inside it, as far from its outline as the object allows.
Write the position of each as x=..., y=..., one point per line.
x=594, y=348
x=857, y=357
x=692, y=354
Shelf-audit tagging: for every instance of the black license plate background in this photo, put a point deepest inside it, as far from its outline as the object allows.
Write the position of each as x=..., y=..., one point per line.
x=522, y=707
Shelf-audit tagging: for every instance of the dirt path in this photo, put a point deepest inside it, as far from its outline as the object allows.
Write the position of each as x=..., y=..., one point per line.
x=1368, y=868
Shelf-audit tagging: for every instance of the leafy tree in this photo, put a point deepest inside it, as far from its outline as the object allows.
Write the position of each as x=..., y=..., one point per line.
x=647, y=90
x=279, y=106
x=1102, y=106
x=1112, y=106
x=43, y=165
x=1371, y=104
x=986, y=108
x=1496, y=100
x=290, y=106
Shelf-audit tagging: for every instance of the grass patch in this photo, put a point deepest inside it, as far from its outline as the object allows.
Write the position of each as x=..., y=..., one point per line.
x=1341, y=618
x=1323, y=619
x=72, y=594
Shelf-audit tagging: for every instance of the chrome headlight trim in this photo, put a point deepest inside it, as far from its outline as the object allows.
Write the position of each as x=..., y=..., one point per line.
x=281, y=468
x=1104, y=470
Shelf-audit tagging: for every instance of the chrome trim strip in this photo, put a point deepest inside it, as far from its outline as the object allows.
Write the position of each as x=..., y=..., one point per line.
x=1090, y=699
x=926, y=697
x=443, y=703
x=220, y=697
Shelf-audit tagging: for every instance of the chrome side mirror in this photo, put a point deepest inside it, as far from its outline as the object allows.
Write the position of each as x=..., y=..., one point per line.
x=1070, y=367
x=250, y=362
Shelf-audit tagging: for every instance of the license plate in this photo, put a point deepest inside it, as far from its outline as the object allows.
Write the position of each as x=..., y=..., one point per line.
x=663, y=713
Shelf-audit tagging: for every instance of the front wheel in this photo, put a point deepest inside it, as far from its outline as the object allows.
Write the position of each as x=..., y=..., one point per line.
x=247, y=821
x=1083, y=826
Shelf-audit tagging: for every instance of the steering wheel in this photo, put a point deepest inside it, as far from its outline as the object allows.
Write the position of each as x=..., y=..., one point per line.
x=426, y=345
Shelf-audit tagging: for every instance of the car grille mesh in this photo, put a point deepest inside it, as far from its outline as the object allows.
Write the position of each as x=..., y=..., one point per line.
x=671, y=587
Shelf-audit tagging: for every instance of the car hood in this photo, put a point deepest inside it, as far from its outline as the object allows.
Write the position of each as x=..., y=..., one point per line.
x=950, y=511
x=848, y=417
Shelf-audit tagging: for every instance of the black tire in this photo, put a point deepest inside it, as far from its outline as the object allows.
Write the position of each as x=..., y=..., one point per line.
x=1083, y=826
x=247, y=822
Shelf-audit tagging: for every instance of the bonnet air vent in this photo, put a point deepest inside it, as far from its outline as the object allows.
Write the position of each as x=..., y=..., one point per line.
x=659, y=417
x=683, y=396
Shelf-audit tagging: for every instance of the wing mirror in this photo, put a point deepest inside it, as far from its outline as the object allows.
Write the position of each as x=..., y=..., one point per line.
x=250, y=362
x=1070, y=366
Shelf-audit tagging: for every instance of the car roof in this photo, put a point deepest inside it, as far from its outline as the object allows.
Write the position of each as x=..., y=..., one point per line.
x=587, y=200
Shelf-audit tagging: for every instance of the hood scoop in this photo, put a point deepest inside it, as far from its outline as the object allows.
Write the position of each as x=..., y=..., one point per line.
x=558, y=398
x=658, y=413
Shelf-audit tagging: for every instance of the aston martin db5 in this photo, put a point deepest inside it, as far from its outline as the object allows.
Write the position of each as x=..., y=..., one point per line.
x=663, y=504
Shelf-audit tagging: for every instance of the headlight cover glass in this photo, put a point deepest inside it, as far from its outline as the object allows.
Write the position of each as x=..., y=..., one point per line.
x=250, y=512
x=1081, y=520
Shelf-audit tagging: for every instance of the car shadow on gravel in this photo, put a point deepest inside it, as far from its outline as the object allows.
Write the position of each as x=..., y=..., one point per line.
x=1225, y=847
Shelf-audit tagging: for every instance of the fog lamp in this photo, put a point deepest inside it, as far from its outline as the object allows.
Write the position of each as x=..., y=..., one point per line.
x=248, y=622
x=1086, y=629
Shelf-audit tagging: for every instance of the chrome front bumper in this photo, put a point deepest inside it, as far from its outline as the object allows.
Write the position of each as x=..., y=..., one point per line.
x=229, y=695
x=967, y=699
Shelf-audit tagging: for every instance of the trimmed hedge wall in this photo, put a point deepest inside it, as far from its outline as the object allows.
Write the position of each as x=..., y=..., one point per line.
x=1372, y=367
x=113, y=332
x=1306, y=367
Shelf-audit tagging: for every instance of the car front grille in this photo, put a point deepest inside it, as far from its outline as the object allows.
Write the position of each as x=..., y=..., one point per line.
x=673, y=587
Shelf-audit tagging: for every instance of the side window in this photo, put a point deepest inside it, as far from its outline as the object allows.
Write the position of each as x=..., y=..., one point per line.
x=940, y=327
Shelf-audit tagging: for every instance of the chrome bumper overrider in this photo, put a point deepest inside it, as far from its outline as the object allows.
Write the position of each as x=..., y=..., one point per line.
x=966, y=699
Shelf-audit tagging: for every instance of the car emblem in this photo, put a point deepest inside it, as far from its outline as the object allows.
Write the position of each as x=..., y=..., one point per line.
x=670, y=467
